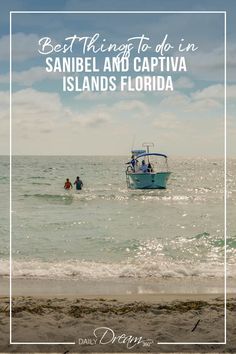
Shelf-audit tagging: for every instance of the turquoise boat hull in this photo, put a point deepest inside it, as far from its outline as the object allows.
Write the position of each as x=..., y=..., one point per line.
x=147, y=180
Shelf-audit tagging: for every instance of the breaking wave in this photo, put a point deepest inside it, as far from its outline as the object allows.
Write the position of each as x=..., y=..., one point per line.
x=96, y=270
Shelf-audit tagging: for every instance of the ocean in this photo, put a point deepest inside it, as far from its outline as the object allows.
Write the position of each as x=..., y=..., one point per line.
x=106, y=231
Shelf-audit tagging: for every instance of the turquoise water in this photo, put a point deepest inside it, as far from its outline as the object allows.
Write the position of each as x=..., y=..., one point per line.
x=108, y=231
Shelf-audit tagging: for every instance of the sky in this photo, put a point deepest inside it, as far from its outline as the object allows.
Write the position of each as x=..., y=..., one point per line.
x=188, y=121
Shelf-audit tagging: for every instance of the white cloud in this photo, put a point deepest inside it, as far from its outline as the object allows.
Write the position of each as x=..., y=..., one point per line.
x=215, y=92
x=97, y=118
x=42, y=123
x=38, y=103
x=34, y=110
x=24, y=46
x=175, y=99
x=4, y=47
x=4, y=99
x=166, y=120
x=231, y=91
x=109, y=95
x=131, y=105
x=193, y=103
x=183, y=82
x=209, y=65
x=29, y=77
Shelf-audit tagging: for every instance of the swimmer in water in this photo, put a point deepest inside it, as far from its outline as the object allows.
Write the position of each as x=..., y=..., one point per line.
x=78, y=183
x=68, y=184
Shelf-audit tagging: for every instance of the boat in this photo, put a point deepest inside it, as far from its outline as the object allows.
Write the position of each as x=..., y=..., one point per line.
x=144, y=172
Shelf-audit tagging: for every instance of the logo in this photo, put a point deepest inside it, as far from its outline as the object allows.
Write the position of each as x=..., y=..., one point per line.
x=87, y=341
x=106, y=335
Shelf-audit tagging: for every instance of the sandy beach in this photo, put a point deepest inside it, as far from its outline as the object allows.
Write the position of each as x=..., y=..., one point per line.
x=118, y=323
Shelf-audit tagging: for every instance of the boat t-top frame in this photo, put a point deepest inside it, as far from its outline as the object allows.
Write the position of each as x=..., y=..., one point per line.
x=146, y=176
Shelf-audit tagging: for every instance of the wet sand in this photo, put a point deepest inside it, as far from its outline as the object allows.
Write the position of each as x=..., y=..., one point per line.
x=117, y=287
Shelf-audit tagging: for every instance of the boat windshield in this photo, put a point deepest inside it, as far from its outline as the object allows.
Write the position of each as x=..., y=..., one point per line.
x=148, y=163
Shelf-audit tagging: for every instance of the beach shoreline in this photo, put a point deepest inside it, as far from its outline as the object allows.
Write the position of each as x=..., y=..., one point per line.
x=154, y=319
x=116, y=286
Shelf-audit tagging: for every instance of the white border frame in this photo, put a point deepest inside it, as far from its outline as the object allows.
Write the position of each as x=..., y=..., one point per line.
x=225, y=162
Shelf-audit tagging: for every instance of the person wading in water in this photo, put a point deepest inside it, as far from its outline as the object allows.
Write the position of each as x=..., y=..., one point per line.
x=68, y=184
x=78, y=183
